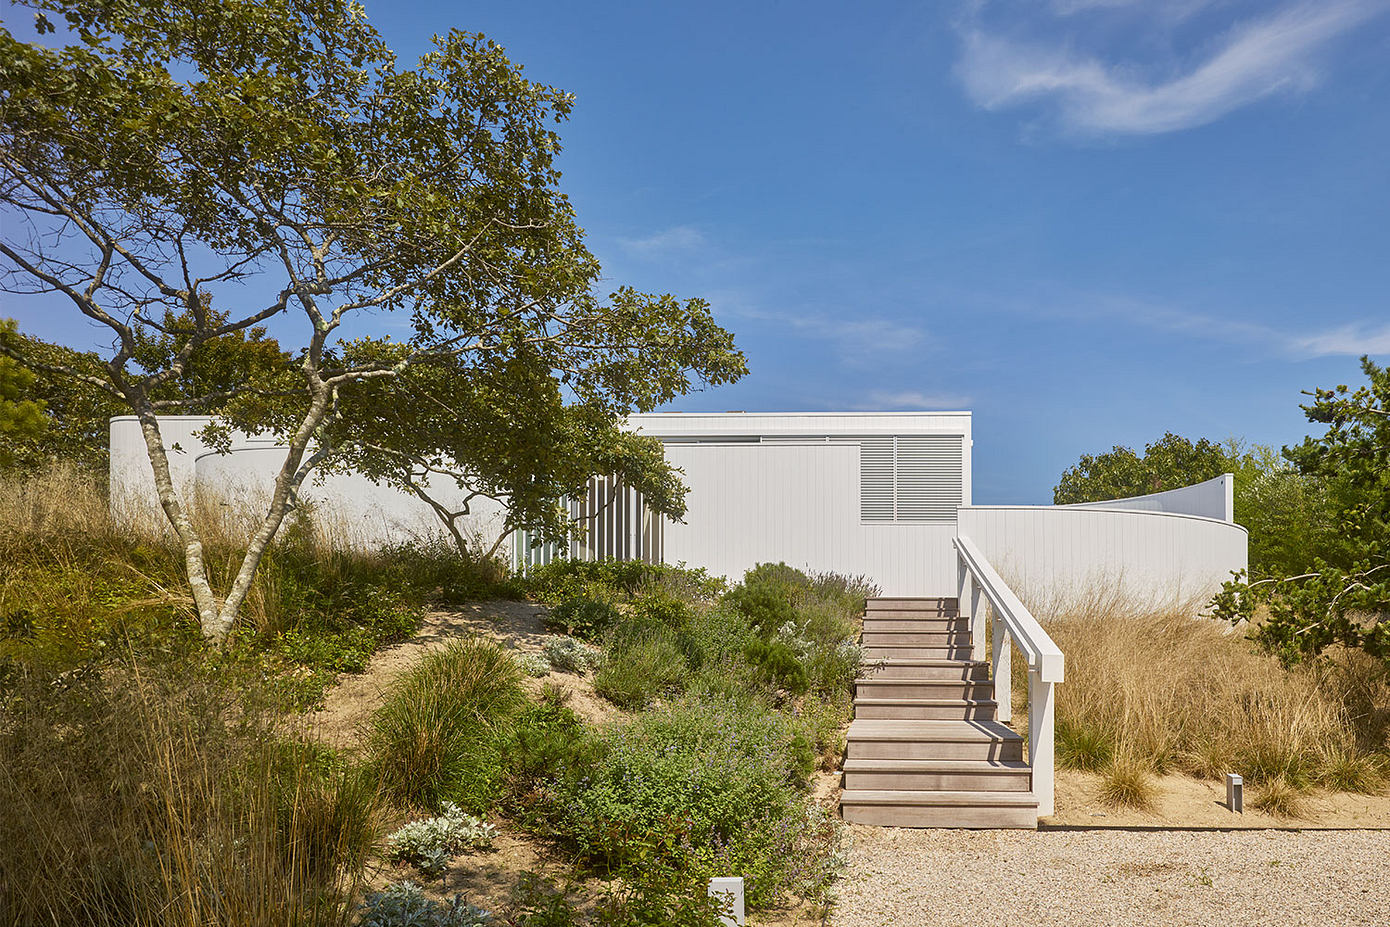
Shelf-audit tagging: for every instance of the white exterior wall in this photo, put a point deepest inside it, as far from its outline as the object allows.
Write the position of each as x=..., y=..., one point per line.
x=1214, y=498
x=1055, y=556
x=799, y=503
x=361, y=512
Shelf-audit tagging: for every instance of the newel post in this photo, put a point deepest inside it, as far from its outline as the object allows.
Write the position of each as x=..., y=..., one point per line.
x=1040, y=734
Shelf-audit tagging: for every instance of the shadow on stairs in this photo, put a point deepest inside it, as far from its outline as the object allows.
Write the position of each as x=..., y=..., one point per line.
x=924, y=749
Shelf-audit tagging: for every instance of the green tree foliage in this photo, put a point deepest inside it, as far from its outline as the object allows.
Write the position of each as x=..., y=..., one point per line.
x=1170, y=462
x=189, y=171
x=1342, y=594
x=502, y=432
x=1281, y=505
x=21, y=418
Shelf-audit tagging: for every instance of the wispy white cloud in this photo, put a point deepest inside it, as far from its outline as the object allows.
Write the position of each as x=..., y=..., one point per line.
x=675, y=240
x=1354, y=340
x=857, y=339
x=911, y=401
x=1257, y=58
x=1349, y=339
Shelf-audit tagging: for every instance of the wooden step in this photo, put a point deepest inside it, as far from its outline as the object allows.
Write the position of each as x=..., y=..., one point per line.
x=924, y=709
x=927, y=637
x=937, y=775
x=900, y=668
x=920, y=605
x=872, y=652
x=924, y=688
x=897, y=623
x=932, y=740
x=969, y=809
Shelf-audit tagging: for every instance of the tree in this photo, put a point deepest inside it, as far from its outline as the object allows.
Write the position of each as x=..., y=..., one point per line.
x=1342, y=593
x=21, y=417
x=1168, y=463
x=186, y=172
x=503, y=433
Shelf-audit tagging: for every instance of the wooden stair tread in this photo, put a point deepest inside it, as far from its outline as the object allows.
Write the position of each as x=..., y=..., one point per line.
x=916, y=798
x=872, y=729
x=934, y=702
x=887, y=765
x=921, y=661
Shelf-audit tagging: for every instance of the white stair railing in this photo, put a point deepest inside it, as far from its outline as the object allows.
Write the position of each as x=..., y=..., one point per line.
x=1013, y=623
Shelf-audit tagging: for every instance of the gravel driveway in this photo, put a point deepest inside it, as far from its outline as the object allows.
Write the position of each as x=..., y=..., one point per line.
x=1105, y=877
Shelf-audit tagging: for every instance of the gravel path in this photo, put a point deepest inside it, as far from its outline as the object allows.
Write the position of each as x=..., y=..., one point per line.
x=1122, y=878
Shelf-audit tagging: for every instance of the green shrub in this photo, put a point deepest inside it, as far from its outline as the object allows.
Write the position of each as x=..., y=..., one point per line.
x=703, y=787
x=766, y=607
x=437, y=736
x=617, y=580
x=776, y=665
x=548, y=743
x=532, y=664
x=585, y=618
x=640, y=667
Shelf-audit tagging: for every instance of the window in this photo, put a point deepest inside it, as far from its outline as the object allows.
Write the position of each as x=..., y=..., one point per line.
x=910, y=478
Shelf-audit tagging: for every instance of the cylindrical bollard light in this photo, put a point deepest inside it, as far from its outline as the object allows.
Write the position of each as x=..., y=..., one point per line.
x=729, y=892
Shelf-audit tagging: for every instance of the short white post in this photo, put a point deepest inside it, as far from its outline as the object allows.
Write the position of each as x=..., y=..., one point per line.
x=1001, y=665
x=1040, y=734
x=1235, y=793
x=731, y=888
x=979, y=633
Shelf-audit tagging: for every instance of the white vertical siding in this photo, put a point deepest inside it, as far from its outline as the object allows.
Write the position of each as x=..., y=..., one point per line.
x=798, y=503
x=1054, y=556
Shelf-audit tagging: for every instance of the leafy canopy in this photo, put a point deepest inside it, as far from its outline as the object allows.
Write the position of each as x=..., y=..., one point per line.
x=188, y=171
x=1341, y=595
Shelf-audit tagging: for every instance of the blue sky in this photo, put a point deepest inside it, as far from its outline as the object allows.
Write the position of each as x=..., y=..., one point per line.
x=1088, y=221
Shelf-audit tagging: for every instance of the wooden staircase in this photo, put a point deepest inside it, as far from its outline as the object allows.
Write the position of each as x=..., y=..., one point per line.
x=924, y=748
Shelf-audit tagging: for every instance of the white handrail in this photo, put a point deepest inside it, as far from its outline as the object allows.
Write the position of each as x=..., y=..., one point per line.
x=1046, y=665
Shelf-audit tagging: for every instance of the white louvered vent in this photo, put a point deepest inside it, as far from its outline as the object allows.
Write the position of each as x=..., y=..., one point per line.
x=910, y=478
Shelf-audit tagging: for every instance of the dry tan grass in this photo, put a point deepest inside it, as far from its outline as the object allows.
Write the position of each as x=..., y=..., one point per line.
x=1181, y=693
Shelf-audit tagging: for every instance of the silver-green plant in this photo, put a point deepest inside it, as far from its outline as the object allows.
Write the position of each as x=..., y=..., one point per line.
x=571, y=655
x=429, y=843
x=532, y=664
x=405, y=904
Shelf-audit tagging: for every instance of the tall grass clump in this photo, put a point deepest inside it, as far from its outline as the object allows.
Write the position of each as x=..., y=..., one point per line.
x=437, y=737
x=1172, y=692
x=134, y=793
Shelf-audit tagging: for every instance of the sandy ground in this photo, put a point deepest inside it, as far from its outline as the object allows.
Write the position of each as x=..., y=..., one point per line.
x=1195, y=803
x=513, y=624
x=1174, y=878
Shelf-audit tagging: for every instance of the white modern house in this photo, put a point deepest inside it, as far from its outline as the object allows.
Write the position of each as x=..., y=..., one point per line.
x=882, y=495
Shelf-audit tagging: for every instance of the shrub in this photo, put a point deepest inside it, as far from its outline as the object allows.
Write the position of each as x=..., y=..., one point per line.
x=703, y=787
x=776, y=665
x=571, y=655
x=548, y=742
x=427, y=844
x=642, y=667
x=617, y=580
x=437, y=735
x=532, y=664
x=583, y=617
x=767, y=608
x=405, y=904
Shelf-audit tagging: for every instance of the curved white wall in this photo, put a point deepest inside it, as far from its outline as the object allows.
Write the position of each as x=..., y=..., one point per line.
x=1056, y=556
x=357, y=510
x=1214, y=498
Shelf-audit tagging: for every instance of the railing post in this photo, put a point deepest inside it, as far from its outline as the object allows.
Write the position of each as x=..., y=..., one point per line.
x=1040, y=747
x=1001, y=666
x=979, y=636
x=964, y=591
